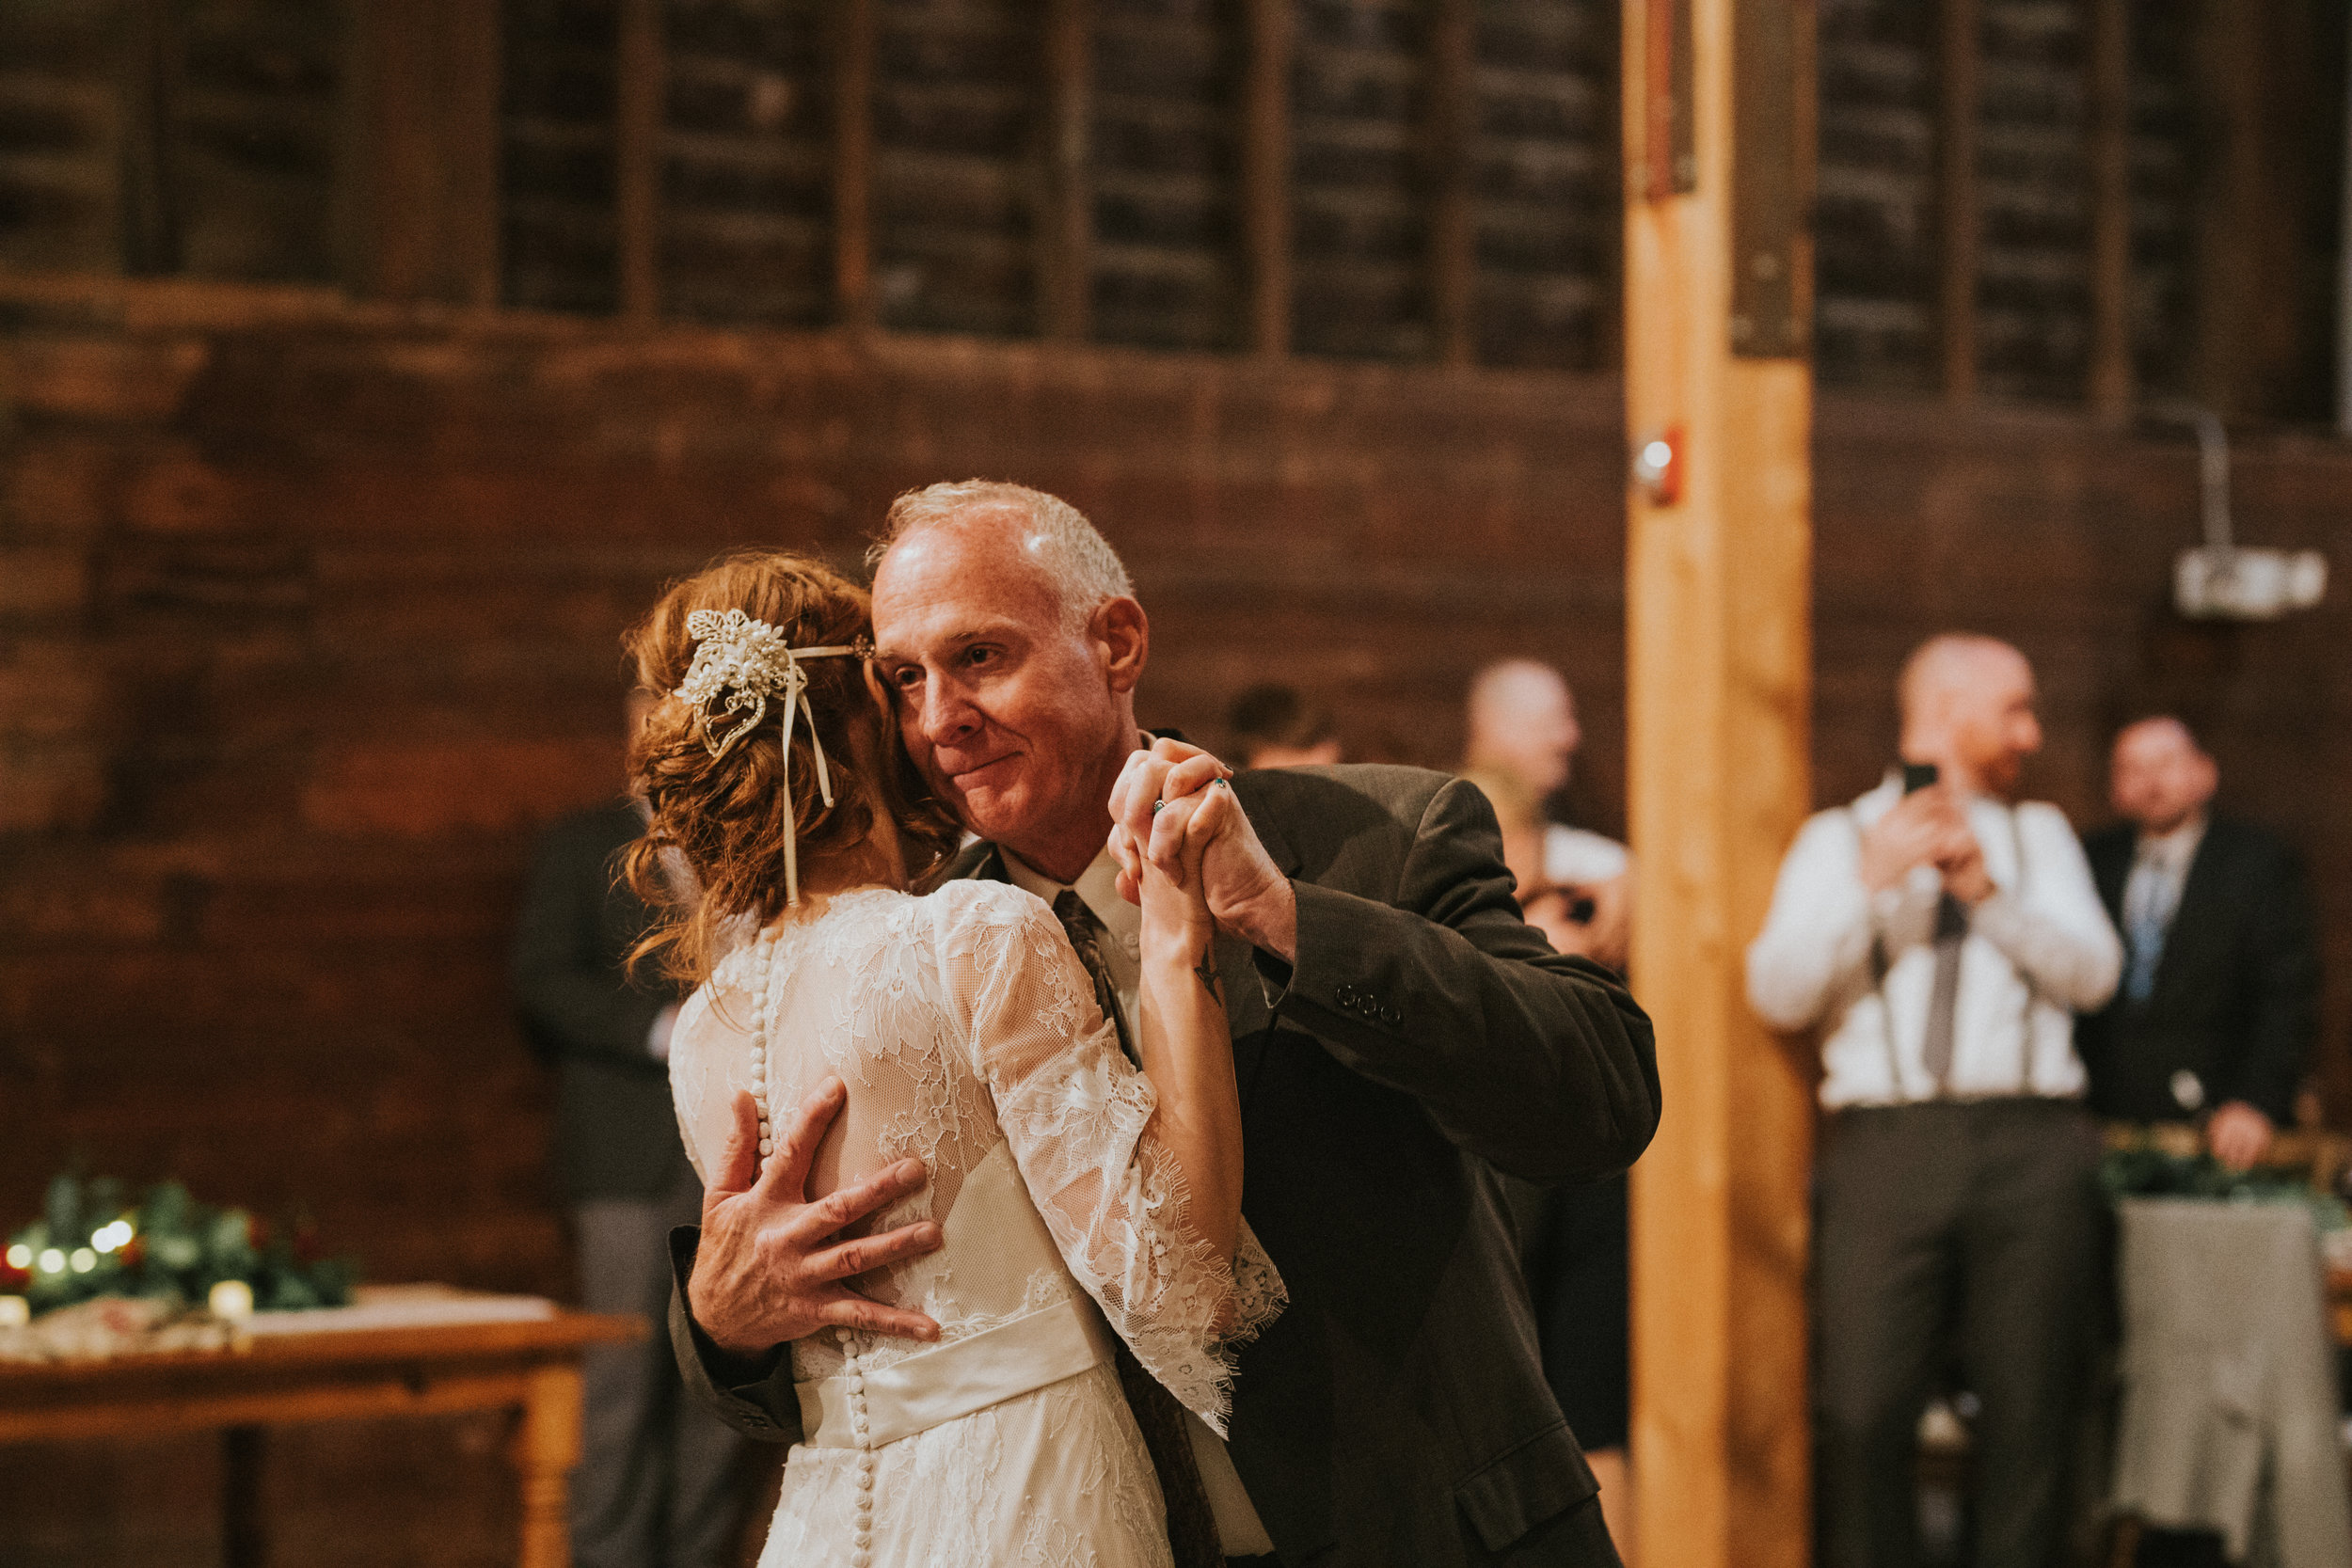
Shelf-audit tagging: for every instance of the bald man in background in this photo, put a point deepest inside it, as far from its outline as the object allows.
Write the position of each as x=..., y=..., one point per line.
x=1521, y=723
x=2220, y=1003
x=1941, y=935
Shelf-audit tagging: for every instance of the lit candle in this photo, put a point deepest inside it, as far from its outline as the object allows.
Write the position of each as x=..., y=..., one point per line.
x=15, y=1312
x=232, y=1299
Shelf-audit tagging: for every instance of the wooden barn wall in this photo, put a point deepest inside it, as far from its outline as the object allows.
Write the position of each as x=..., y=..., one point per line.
x=308, y=620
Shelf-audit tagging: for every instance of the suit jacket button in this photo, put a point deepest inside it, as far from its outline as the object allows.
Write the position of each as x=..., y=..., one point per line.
x=1346, y=995
x=1390, y=1016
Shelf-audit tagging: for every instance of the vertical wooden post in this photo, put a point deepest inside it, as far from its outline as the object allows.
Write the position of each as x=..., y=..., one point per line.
x=1266, y=176
x=1955, y=195
x=150, y=89
x=419, y=215
x=547, y=1446
x=1717, y=311
x=2237, y=215
x=640, y=88
x=2110, y=210
x=1453, y=231
x=1065, y=230
x=853, y=164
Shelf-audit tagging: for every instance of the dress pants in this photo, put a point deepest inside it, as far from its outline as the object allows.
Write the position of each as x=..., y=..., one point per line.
x=1973, y=1227
x=656, y=1486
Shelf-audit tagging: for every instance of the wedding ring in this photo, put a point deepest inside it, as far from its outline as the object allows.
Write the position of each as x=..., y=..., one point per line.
x=1156, y=806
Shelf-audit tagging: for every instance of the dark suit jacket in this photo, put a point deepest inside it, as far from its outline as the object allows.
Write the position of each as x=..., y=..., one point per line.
x=2237, y=990
x=1397, y=1413
x=616, y=1132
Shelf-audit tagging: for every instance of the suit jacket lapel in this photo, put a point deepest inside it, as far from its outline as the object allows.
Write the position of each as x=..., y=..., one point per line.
x=2182, y=942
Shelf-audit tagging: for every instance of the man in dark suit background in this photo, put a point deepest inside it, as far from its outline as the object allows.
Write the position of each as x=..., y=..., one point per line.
x=656, y=1483
x=2219, y=1000
x=1399, y=1035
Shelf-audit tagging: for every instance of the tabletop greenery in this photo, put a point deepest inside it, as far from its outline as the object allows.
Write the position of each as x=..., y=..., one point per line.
x=90, y=1242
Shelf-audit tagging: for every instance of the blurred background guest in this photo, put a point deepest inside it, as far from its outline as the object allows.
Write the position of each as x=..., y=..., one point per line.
x=2220, y=1002
x=1942, y=937
x=1274, y=725
x=656, y=1483
x=1522, y=725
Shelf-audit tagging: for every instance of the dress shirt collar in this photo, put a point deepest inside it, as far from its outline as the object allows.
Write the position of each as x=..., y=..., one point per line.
x=1097, y=887
x=2172, y=852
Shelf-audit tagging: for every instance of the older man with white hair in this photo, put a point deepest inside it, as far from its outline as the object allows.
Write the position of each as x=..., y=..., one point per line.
x=1941, y=935
x=1399, y=1035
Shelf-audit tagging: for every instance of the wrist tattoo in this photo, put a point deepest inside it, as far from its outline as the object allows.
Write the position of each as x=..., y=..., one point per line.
x=1206, y=971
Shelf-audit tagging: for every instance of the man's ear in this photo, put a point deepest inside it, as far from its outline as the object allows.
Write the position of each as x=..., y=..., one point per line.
x=1118, y=629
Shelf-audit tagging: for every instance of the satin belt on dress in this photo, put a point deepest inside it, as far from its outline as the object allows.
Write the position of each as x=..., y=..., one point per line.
x=935, y=1386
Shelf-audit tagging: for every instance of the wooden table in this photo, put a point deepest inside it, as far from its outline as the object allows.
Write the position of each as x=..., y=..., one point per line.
x=532, y=1366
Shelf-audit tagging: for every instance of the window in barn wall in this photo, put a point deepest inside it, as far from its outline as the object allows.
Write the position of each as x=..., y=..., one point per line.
x=2164, y=196
x=188, y=136
x=61, y=136
x=746, y=224
x=1544, y=181
x=1875, y=226
x=1360, y=186
x=557, y=238
x=1166, y=171
x=957, y=90
x=2033, y=200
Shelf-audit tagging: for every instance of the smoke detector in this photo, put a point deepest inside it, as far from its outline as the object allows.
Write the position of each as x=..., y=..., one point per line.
x=2222, y=580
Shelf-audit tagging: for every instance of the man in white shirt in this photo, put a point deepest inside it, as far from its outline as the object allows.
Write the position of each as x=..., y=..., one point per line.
x=1941, y=937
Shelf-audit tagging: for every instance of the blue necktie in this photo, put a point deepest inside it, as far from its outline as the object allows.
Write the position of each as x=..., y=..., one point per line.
x=2145, y=925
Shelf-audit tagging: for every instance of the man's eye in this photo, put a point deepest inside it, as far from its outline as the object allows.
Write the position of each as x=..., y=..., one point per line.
x=978, y=656
x=907, y=678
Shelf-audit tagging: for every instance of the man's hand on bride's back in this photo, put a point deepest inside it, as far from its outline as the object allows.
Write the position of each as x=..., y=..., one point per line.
x=1248, y=894
x=772, y=1264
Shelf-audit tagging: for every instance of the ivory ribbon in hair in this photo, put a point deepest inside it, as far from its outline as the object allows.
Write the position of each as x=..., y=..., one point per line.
x=748, y=662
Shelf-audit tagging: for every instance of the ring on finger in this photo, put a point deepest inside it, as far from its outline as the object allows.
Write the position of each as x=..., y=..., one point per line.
x=1157, y=806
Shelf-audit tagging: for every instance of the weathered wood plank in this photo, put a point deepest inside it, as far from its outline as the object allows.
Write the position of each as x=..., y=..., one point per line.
x=1958, y=103
x=1265, y=158
x=642, y=80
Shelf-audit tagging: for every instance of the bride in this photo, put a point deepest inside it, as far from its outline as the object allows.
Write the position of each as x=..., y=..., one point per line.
x=1083, y=1203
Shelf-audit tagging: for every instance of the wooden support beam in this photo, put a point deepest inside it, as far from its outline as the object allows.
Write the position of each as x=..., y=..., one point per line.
x=152, y=61
x=640, y=90
x=1266, y=177
x=1957, y=99
x=1065, y=230
x=1453, y=229
x=853, y=164
x=2110, y=210
x=1719, y=673
x=419, y=204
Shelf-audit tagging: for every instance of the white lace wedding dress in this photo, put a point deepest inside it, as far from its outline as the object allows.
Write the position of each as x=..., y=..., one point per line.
x=969, y=1038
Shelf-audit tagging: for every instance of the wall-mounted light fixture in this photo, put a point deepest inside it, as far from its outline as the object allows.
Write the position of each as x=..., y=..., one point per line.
x=2223, y=581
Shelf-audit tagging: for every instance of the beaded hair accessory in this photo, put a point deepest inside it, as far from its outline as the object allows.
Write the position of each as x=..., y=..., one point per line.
x=746, y=661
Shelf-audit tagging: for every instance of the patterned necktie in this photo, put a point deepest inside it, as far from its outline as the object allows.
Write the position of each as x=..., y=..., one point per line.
x=1951, y=930
x=1191, y=1522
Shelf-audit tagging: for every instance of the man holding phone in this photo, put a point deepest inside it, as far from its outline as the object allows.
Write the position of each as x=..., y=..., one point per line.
x=1941, y=935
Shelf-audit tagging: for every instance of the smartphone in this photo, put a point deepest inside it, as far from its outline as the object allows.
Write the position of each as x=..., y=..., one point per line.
x=1918, y=776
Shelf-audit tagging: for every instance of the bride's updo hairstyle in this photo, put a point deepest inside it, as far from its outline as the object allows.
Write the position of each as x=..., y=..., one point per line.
x=723, y=819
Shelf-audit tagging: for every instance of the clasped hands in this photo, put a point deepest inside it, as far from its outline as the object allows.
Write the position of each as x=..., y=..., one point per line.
x=773, y=1265
x=1928, y=827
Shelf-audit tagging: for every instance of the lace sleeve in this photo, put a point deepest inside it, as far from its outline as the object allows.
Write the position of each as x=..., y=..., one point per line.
x=1078, y=1115
x=707, y=1037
